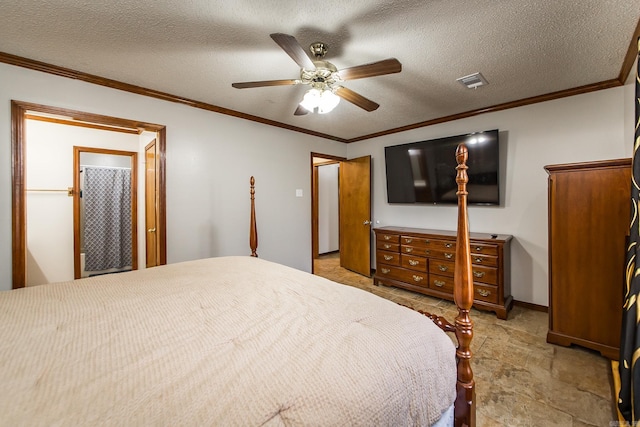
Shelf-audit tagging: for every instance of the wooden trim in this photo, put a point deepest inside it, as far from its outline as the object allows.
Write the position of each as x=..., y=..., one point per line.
x=68, y=122
x=18, y=212
x=505, y=106
x=314, y=201
x=630, y=58
x=114, y=84
x=614, y=163
x=161, y=153
x=19, y=111
x=531, y=306
x=314, y=214
x=31, y=64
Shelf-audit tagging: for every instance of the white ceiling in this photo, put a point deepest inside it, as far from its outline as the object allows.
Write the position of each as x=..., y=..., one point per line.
x=195, y=49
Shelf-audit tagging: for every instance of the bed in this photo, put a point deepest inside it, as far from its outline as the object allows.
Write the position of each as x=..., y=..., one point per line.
x=234, y=340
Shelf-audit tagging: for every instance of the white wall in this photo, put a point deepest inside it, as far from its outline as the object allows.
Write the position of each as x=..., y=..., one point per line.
x=210, y=158
x=49, y=165
x=593, y=126
x=328, y=221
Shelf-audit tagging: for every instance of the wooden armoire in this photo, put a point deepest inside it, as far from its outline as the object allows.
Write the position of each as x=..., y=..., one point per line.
x=589, y=215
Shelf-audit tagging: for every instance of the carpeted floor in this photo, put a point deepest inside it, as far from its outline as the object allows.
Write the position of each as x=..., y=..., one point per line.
x=520, y=379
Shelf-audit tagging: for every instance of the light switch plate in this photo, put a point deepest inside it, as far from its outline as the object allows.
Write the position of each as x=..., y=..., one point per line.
x=299, y=192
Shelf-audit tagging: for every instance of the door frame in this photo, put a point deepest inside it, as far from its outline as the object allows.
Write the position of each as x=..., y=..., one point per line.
x=314, y=201
x=148, y=198
x=19, y=111
x=76, y=203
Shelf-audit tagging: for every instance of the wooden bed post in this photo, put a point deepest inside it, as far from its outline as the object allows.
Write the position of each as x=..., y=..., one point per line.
x=253, y=229
x=465, y=408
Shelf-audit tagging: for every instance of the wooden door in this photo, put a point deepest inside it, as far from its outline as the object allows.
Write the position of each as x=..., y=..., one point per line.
x=151, y=211
x=355, y=215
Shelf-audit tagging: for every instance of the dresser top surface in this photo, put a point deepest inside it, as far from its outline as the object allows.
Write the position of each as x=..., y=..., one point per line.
x=441, y=233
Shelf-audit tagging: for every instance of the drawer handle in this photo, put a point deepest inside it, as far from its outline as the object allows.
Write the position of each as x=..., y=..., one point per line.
x=448, y=245
x=408, y=250
x=427, y=251
x=386, y=246
x=427, y=241
x=438, y=283
x=477, y=260
x=483, y=292
x=479, y=248
x=442, y=267
x=408, y=240
x=388, y=257
x=417, y=278
x=386, y=237
x=448, y=255
x=385, y=270
x=413, y=262
x=478, y=274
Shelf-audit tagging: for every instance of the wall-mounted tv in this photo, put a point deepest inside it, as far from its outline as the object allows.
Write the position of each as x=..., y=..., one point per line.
x=425, y=171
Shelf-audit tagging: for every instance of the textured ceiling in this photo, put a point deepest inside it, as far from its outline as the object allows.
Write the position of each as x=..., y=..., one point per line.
x=195, y=49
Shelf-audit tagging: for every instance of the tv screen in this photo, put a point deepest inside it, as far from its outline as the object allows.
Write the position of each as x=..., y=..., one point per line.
x=425, y=171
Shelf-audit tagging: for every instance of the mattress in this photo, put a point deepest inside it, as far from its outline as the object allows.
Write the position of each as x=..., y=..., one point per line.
x=222, y=341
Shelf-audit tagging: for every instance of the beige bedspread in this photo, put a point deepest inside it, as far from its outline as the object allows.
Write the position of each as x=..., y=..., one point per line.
x=223, y=341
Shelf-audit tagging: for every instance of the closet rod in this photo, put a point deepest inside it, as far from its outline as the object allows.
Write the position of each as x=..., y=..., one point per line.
x=68, y=191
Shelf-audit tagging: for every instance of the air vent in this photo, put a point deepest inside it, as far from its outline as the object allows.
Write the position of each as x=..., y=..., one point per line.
x=473, y=81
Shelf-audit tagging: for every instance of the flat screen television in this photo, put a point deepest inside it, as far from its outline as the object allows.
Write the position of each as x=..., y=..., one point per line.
x=425, y=171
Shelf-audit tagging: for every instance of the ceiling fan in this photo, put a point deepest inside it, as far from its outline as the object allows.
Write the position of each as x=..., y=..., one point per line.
x=324, y=78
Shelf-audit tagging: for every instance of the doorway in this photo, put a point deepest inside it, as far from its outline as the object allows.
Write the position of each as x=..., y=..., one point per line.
x=20, y=111
x=353, y=214
x=105, y=211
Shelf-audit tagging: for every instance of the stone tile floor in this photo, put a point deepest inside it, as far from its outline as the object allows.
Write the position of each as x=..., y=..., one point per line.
x=520, y=379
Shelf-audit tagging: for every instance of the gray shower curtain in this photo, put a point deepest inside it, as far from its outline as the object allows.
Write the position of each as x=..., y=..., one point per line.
x=107, y=225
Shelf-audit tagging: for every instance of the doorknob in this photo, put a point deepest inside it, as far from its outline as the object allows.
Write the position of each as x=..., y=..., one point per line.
x=151, y=230
x=366, y=222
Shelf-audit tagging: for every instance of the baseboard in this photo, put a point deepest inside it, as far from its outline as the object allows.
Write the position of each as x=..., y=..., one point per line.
x=530, y=306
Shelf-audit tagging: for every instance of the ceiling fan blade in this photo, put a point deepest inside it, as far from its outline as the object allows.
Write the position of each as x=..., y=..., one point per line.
x=290, y=45
x=356, y=99
x=387, y=66
x=245, y=85
x=300, y=111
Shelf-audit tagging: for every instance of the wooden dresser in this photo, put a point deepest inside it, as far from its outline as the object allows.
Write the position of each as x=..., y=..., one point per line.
x=589, y=215
x=422, y=260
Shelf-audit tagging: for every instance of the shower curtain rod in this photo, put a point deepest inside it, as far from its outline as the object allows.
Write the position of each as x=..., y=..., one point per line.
x=105, y=167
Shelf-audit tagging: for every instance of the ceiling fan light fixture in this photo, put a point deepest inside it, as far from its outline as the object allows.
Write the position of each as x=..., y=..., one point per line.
x=311, y=100
x=328, y=101
x=324, y=100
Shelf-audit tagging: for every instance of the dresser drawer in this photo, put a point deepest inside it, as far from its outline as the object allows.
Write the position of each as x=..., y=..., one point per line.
x=441, y=283
x=441, y=267
x=387, y=246
x=491, y=261
x=389, y=271
x=416, y=242
x=418, y=278
x=391, y=258
x=389, y=238
x=444, y=245
x=484, y=249
x=484, y=292
x=447, y=255
x=413, y=262
x=482, y=274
